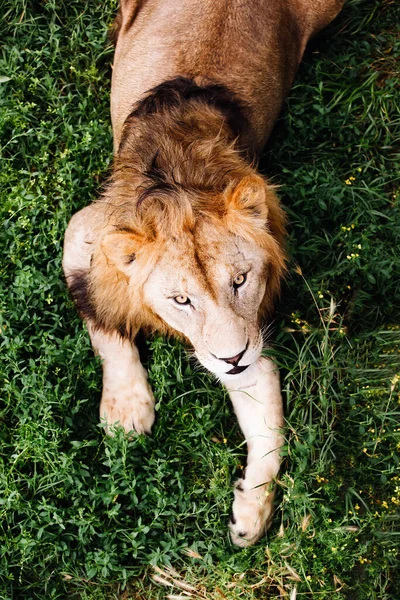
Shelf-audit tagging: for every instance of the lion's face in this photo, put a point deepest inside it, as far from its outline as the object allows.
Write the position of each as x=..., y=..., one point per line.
x=209, y=287
x=207, y=271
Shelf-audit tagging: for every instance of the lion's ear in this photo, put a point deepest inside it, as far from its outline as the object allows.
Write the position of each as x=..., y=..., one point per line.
x=253, y=206
x=249, y=198
x=120, y=249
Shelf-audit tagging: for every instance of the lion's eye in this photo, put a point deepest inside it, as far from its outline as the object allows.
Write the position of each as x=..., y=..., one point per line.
x=181, y=299
x=239, y=280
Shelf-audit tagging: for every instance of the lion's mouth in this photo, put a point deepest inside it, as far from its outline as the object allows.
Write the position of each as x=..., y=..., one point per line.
x=237, y=370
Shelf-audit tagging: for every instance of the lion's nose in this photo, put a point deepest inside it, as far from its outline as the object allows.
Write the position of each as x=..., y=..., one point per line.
x=235, y=359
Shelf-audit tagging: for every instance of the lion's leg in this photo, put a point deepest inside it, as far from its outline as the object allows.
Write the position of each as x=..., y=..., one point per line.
x=127, y=398
x=257, y=402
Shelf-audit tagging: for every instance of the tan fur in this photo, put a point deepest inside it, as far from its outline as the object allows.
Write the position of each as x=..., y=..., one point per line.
x=188, y=238
x=252, y=47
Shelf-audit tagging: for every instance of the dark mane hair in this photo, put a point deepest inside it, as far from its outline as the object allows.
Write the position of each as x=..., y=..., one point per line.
x=182, y=91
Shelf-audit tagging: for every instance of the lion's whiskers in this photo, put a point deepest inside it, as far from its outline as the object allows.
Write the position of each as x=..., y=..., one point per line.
x=267, y=331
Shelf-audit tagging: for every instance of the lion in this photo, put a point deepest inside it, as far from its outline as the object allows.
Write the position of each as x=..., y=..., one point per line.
x=187, y=238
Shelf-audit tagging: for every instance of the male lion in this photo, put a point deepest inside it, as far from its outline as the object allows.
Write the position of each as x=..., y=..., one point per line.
x=187, y=238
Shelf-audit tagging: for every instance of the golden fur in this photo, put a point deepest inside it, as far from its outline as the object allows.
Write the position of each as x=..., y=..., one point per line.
x=253, y=48
x=188, y=238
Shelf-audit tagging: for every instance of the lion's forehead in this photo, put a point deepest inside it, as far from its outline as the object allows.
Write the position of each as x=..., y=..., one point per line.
x=206, y=263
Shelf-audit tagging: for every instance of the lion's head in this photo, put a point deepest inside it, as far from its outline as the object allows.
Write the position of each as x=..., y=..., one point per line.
x=191, y=242
x=205, y=267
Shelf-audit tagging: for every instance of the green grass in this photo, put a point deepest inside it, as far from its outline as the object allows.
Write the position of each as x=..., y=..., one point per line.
x=89, y=517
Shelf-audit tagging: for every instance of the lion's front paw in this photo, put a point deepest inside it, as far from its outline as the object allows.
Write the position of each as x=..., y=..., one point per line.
x=132, y=410
x=251, y=513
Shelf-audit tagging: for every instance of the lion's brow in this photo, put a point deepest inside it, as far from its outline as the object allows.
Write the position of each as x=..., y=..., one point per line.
x=208, y=280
